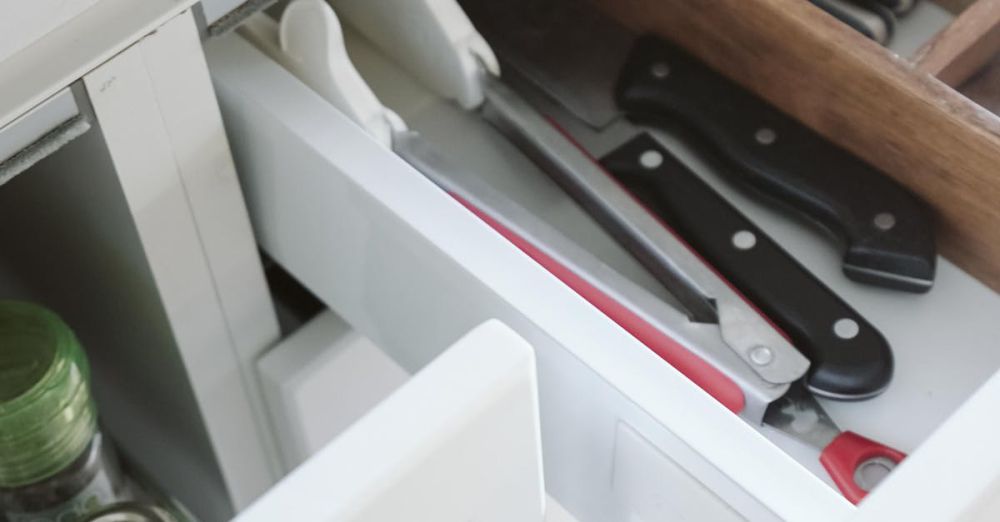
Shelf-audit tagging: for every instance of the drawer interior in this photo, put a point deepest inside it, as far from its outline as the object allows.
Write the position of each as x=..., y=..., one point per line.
x=917, y=326
x=411, y=270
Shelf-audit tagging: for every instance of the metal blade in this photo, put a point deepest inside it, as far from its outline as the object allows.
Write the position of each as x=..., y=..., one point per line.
x=700, y=291
x=700, y=339
x=800, y=415
x=614, y=209
x=565, y=47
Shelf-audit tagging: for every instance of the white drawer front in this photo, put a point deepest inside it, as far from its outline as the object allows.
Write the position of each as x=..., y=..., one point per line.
x=458, y=442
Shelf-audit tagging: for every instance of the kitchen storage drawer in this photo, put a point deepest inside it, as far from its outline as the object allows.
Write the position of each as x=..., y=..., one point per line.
x=146, y=206
x=388, y=251
x=412, y=270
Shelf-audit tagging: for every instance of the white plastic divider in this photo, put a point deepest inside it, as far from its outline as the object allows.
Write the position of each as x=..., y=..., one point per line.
x=459, y=441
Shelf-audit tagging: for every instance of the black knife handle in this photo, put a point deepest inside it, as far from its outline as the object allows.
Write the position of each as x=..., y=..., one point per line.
x=867, y=17
x=849, y=358
x=887, y=229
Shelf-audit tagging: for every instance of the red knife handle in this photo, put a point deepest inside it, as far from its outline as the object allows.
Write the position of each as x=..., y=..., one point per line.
x=701, y=373
x=846, y=454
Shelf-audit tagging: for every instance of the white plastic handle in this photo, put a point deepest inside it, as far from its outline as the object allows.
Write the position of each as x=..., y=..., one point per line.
x=433, y=39
x=312, y=43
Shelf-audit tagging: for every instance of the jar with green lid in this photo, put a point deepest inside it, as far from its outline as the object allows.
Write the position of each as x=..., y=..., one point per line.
x=54, y=463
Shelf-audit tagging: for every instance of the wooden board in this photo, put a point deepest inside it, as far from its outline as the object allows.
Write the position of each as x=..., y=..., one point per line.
x=965, y=46
x=857, y=94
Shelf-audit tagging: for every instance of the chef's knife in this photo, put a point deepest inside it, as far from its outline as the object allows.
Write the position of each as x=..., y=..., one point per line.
x=576, y=56
x=849, y=356
x=705, y=296
x=572, y=165
x=855, y=463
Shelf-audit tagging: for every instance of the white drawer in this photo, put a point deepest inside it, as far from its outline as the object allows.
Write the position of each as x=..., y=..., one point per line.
x=624, y=436
x=395, y=254
x=458, y=441
x=412, y=270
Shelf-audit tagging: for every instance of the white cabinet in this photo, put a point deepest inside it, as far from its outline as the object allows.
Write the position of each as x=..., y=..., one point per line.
x=138, y=232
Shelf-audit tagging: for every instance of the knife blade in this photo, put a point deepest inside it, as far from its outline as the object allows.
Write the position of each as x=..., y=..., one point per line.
x=696, y=286
x=695, y=349
x=577, y=57
x=850, y=357
x=568, y=156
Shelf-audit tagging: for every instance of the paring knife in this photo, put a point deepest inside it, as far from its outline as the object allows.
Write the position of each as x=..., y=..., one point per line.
x=849, y=356
x=598, y=70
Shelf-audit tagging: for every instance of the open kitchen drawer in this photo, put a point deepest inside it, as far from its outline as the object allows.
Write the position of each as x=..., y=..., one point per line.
x=389, y=251
x=624, y=436
x=412, y=270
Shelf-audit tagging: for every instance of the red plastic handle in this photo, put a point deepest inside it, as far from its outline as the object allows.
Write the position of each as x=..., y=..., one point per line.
x=703, y=374
x=848, y=452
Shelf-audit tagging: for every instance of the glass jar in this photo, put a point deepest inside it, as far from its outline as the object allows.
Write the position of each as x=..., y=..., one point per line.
x=54, y=463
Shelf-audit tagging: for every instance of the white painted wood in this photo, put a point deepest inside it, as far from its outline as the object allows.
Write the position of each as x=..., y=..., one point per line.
x=554, y=512
x=655, y=487
x=955, y=475
x=319, y=381
x=432, y=39
x=412, y=270
x=190, y=114
x=458, y=442
x=72, y=49
x=168, y=182
x=23, y=23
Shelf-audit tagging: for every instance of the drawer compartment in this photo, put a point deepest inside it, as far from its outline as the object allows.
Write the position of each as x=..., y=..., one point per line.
x=412, y=270
x=277, y=140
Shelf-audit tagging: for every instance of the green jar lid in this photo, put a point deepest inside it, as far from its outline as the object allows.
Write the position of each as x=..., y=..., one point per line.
x=47, y=416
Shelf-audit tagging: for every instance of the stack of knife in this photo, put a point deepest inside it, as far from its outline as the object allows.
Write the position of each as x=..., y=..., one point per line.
x=585, y=100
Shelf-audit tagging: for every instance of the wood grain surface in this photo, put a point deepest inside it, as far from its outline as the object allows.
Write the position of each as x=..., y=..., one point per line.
x=917, y=129
x=965, y=46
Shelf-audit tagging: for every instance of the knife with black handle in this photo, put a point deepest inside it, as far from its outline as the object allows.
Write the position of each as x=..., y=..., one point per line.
x=868, y=17
x=888, y=231
x=850, y=359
